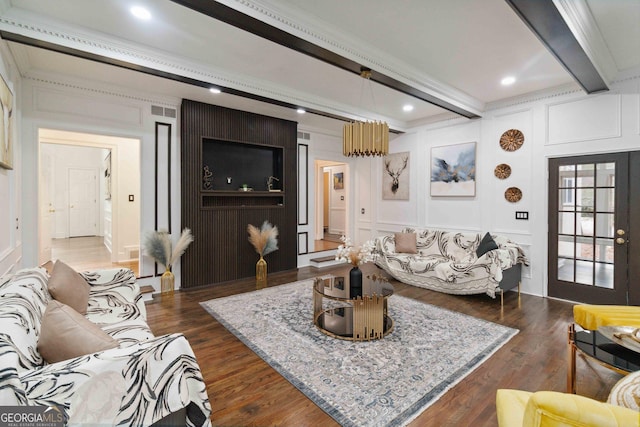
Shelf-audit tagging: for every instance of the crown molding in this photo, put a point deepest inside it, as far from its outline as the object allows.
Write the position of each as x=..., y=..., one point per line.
x=325, y=35
x=85, y=44
x=584, y=27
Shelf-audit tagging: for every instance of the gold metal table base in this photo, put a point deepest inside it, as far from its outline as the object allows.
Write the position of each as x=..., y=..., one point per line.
x=364, y=318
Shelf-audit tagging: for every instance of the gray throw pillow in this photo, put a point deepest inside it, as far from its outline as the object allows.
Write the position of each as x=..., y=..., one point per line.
x=487, y=244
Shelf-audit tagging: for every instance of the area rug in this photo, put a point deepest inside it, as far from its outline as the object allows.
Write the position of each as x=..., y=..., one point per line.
x=387, y=382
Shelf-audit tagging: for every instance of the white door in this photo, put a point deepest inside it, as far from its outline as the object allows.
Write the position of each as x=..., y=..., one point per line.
x=83, y=211
x=46, y=208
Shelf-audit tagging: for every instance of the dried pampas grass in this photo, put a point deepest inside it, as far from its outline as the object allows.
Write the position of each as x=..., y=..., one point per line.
x=158, y=245
x=263, y=239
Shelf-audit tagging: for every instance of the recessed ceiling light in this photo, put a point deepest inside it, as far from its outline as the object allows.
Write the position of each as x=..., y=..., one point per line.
x=301, y=110
x=407, y=108
x=509, y=80
x=214, y=90
x=140, y=13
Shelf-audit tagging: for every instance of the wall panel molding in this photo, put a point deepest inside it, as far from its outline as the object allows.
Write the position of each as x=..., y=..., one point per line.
x=585, y=119
x=303, y=184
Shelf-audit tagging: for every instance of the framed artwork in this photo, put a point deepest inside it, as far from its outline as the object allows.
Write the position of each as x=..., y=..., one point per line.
x=395, y=177
x=6, y=125
x=338, y=181
x=107, y=177
x=453, y=170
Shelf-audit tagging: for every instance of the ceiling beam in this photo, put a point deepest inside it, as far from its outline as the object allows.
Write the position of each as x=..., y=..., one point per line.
x=30, y=41
x=545, y=21
x=247, y=23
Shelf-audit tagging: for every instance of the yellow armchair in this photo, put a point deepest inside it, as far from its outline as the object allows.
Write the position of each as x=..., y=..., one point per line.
x=518, y=408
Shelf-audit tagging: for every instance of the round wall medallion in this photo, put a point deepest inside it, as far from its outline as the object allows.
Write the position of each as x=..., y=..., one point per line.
x=502, y=171
x=513, y=194
x=511, y=140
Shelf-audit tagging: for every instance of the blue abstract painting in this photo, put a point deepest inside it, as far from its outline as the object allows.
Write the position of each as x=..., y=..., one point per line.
x=453, y=170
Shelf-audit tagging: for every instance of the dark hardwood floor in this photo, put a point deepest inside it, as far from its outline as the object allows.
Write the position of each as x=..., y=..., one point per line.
x=246, y=391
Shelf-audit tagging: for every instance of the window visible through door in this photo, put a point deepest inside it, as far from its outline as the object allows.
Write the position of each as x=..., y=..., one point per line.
x=589, y=230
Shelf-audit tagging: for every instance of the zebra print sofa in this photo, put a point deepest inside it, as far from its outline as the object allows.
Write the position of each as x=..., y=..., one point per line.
x=141, y=381
x=448, y=261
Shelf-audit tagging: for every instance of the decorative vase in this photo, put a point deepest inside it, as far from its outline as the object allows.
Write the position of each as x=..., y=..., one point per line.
x=167, y=282
x=355, y=282
x=261, y=273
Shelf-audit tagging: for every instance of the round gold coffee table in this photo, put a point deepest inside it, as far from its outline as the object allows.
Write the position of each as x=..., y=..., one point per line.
x=363, y=318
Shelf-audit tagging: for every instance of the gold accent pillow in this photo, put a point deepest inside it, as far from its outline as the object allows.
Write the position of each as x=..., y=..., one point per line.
x=68, y=287
x=65, y=334
x=406, y=243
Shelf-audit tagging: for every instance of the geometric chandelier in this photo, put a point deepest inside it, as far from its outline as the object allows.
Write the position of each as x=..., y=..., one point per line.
x=365, y=138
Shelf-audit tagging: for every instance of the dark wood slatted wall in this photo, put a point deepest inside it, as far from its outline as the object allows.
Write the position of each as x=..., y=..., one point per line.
x=221, y=251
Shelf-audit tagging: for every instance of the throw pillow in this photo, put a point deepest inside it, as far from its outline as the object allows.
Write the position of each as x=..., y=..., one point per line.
x=69, y=287
x=406, y=243
x=66, y=334
x=487, y=244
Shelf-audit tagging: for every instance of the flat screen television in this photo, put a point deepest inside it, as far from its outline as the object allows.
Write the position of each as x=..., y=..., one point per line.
x=229, y=165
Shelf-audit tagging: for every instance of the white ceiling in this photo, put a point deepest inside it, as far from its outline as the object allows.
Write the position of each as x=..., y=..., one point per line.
x=458, y=50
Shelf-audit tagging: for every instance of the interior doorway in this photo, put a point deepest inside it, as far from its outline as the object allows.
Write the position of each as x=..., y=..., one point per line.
x=331, y=204
x=83, y=218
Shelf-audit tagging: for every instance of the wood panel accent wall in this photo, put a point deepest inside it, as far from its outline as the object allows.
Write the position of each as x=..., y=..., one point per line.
x=221, y=250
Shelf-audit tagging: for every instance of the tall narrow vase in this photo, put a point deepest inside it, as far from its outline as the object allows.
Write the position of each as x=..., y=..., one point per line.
x=355, y=282
x=167, y=283
x=261, y=273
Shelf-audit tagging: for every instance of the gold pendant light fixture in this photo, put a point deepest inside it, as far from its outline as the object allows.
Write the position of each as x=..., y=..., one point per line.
x=365, y=138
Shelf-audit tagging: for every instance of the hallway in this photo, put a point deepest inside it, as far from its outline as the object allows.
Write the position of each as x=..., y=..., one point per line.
x=87, y=253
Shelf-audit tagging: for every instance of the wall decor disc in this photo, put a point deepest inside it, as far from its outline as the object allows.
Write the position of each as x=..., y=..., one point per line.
x=502, y=171
x=511, y=140
x=513, y=194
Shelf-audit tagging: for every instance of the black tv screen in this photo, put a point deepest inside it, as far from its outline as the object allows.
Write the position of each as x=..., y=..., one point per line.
x=243, y=163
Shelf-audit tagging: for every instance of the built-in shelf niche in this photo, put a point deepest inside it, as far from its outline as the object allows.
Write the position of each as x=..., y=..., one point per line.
x=237, y=174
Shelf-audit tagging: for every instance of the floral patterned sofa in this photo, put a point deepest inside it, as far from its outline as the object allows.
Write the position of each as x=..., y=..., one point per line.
x=451, y=262
x=138, y=379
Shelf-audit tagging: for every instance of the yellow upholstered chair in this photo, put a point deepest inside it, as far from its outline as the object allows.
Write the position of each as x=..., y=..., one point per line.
x=516, y=408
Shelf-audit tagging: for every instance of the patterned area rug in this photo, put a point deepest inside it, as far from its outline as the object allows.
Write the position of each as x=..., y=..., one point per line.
x=381, y=383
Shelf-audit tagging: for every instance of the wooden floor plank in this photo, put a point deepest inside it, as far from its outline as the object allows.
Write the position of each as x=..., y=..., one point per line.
x=246, y=391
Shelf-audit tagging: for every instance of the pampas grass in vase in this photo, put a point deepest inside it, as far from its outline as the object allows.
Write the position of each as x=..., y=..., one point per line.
x=264, y=241
x=158, y=245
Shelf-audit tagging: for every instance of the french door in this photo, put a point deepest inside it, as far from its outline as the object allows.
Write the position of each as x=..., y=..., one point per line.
x=593, y=241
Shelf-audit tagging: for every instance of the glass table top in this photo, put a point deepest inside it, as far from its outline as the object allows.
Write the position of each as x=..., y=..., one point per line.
x=337, y=287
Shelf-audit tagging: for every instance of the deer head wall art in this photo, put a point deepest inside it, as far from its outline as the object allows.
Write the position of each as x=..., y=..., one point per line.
x=395, y=177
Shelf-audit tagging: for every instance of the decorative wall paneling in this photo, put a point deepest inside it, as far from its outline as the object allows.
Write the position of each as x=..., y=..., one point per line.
x=218, y=219
x=303, y=243
x=162, y=177
x=303, y=189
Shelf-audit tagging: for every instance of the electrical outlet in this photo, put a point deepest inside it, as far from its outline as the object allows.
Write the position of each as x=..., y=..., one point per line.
x=362, y=211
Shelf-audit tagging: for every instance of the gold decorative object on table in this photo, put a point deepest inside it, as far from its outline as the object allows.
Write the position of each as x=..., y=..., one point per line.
x=158, y=245
x=513, y=194
x=511, y=140
x=502, y=171
x=264, y=241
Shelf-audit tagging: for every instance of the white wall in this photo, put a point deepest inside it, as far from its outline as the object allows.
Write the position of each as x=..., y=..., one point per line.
x=559, y=124
x=11, y=202
x=58, y=103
